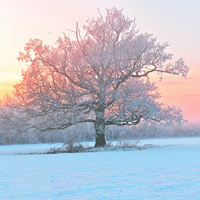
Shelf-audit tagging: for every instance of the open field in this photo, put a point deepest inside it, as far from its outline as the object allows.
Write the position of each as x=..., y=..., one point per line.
x=171, y=171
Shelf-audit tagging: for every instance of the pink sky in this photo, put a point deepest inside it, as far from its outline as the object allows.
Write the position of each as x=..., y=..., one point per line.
x=174, y=21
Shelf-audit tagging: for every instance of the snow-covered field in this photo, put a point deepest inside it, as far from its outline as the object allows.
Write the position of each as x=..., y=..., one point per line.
x=171, y=171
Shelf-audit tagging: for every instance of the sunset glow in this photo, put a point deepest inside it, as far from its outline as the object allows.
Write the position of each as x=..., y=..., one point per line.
x=47, y=19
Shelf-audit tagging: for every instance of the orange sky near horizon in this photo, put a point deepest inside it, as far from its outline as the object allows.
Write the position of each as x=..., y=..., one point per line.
x=21, y=20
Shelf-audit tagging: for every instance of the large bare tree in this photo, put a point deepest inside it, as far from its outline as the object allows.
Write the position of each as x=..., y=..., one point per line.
x=101, y=77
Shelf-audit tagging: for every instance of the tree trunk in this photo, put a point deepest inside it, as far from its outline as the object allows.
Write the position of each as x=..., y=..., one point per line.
x=99, y=126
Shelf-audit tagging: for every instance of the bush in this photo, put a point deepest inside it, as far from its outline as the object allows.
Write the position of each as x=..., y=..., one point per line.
x=74, y=148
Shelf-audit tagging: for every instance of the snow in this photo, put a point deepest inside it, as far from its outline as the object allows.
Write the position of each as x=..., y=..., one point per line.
x=26, y=148
x=171, y=171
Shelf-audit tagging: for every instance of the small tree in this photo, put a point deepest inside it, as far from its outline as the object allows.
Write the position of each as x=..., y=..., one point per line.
x=100, y=78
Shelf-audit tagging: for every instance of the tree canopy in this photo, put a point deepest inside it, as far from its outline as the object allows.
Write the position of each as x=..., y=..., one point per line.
x=101, y=77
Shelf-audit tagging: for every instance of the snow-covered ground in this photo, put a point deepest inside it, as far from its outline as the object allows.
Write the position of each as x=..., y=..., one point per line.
x=171, y=171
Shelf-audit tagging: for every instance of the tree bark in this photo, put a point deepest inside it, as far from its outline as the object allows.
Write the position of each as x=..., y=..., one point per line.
x=99, y=126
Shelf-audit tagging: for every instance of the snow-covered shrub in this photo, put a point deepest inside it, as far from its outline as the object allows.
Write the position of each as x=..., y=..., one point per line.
x=73, y=148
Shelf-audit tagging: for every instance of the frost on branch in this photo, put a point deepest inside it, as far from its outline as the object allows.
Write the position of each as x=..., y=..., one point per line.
x=101, y=77
x=138, y=99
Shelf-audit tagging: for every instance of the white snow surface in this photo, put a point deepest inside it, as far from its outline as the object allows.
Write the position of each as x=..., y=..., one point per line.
x=171, y=171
